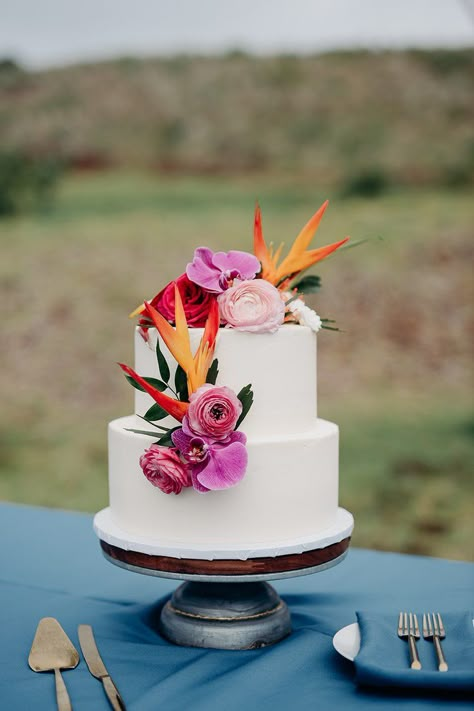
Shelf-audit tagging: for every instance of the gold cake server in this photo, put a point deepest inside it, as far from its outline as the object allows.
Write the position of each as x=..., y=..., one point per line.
x=52, y=650
x=97, y=666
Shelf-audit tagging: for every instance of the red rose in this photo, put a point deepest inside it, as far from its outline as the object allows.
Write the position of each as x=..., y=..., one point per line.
x=196, y=302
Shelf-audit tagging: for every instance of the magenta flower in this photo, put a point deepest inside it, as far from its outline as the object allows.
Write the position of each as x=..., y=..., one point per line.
x=213, y=465
x=213, y=411
x=163, y=468
x=216, y=271
x=254, y=305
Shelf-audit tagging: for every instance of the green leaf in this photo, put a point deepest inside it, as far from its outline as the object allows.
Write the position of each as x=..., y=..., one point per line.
x=150, y=422
x=156, y=412
x=331, y=328
x=158, y=384
x=134, y=383
x=213, y=372
x=165, y=440
x=356, y=243
x=143, y=432
x=162, y=363
x=246, y=398
x=293, y=298
x=181, y=384
x=326, y=321
x=309, y=284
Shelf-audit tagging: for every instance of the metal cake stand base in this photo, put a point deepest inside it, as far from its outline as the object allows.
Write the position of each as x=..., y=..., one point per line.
x=225, y=616
x=226, y=603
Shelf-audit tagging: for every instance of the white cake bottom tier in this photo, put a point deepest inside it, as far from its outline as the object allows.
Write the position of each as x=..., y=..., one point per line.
x=290, y=490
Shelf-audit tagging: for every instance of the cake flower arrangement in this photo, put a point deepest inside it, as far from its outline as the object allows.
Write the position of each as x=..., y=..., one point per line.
x=256, y=293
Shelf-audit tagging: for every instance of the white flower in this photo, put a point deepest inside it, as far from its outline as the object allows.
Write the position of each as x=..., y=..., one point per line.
x=308, y=317
x=304, y=315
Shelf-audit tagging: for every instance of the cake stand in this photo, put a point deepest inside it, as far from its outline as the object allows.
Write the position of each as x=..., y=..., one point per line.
x=226, y=601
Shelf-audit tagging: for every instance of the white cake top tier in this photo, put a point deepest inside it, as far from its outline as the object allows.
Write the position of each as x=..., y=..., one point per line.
x=281, y=367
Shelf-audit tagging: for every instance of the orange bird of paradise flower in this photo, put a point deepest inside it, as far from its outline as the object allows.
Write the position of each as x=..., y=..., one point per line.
x=299, y=257
x=178, y=343
x=177, y=340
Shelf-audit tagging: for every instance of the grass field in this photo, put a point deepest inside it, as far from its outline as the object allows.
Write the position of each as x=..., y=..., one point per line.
x=397, y=378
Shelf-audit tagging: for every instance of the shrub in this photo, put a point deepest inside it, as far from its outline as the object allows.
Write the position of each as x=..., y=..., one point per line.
x=368, y=183
x=26, y=182
x=12, y=75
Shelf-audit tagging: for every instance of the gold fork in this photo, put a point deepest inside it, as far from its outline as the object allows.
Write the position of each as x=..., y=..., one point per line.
x=408, y=629
x=433, y=628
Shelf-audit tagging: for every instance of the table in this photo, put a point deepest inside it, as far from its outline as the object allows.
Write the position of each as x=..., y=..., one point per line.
x=51, y=565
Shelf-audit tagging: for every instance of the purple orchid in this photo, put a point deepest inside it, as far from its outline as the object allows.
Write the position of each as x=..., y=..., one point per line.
x=214, y=465
x=216, y=271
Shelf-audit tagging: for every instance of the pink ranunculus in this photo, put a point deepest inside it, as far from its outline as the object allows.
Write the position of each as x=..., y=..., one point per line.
x=254, y=305
x=164, y=468
x=196, y=301
x=213, y=411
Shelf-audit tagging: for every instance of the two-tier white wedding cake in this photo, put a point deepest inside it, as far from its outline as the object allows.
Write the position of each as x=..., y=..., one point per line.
x=232, y=460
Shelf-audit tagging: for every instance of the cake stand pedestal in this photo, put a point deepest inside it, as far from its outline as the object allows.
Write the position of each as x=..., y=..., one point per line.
x=225, y=603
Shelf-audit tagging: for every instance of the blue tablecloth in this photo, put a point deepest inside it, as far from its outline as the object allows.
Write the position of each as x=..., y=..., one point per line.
x=51, y=565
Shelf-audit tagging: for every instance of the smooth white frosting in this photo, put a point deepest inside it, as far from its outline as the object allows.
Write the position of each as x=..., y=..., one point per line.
x=290, y=490
x=109, y=531
x=281, y=367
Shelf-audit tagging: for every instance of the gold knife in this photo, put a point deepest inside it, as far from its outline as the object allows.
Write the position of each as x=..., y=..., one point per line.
x=97, y=666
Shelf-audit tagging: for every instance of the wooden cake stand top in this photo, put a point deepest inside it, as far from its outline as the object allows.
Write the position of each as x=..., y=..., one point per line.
x=251, y=569
x=284, y=560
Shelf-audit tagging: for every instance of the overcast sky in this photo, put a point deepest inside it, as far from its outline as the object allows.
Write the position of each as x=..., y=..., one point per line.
x=42, y=33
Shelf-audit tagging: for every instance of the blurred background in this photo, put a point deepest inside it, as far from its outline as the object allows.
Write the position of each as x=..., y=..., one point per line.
x=131, y=133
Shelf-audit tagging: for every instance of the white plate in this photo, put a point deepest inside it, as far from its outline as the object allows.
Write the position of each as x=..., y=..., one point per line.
x=347, y=641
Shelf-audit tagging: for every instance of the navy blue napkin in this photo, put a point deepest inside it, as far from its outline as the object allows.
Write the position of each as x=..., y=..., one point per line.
x=384, y=658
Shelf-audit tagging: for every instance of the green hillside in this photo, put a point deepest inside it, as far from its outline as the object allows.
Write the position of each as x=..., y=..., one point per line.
x=403, y=117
